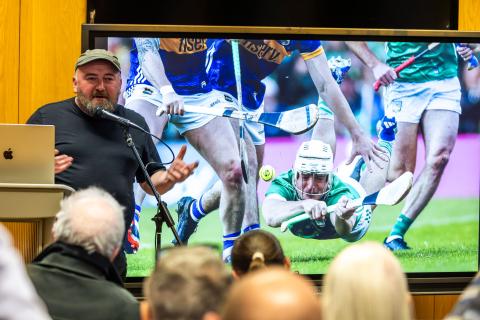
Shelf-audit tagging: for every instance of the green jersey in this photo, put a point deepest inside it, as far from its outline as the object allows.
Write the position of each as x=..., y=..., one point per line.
x=438, y=64
x=283, y=186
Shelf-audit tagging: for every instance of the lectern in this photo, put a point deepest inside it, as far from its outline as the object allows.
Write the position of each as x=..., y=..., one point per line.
x=28, y=211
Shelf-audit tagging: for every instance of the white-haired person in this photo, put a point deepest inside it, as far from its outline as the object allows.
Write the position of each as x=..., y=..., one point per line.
x=311, y=185
x=381, y=292
x=256, y=250
x=75, y=275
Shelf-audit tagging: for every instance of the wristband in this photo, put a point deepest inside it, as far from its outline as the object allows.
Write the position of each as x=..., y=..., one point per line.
x=166, y=90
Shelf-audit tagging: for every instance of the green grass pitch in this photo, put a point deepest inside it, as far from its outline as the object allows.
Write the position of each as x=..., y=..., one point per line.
x=444, y=238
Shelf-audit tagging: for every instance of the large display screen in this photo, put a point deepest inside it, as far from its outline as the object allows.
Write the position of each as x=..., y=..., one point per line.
x=444, y=237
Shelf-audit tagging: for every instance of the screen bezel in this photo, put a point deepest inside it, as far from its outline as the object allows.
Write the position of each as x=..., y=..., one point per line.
x=437, y=282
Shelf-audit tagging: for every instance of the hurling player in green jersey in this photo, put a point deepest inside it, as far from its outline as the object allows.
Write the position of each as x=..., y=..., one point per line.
x=426, y=96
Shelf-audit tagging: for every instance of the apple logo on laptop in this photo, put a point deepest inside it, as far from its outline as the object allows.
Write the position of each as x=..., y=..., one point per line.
x=8, y=154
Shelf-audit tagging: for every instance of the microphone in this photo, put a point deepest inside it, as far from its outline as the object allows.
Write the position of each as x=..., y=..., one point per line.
x=102, y=113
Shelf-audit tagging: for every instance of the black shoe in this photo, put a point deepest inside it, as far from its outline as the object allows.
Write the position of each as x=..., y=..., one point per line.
x=396, y=244
x=186, y=225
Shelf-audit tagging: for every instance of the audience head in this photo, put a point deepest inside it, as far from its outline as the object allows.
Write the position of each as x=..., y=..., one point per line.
x=92, y=219
x=366, y=282
x=257, y=249
x=189, y=283
x=272, y=294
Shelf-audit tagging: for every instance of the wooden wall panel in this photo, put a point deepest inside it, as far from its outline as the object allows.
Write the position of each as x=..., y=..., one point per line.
x=50, y=43
x=444, y=304
x=9, y=38
x=424, y=307
x=469, y=15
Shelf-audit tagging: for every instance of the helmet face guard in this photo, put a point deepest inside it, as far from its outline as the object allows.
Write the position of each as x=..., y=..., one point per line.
x=313, y=169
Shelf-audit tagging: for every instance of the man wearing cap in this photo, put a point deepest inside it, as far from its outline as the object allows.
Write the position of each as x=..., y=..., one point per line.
x=92, y=151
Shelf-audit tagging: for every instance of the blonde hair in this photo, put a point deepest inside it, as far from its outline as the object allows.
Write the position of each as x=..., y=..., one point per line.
x=366, y=282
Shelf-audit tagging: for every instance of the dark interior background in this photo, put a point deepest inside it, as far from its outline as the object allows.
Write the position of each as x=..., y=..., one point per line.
x=405, y=14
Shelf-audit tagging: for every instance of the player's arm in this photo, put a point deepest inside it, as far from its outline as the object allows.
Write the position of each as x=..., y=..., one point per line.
x=154, y=70
x=330, y=92
x=380, y=70
x=342, y=218
x=277, y=209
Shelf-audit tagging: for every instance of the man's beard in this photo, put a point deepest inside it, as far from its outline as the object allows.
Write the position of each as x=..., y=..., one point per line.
x=89, y=107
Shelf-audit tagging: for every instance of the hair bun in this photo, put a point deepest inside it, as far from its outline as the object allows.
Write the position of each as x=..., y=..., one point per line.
x=258, y=255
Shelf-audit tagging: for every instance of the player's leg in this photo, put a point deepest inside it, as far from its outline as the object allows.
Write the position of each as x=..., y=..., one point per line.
x=374, y=180
x=223, y=156
x=439, y=144
x=196, y=209
x=324, y=129
x=255, y=141
x=403, y=159
x=439, y=104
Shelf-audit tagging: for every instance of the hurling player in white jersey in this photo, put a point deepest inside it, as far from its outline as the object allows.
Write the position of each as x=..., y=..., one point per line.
x=175, y=69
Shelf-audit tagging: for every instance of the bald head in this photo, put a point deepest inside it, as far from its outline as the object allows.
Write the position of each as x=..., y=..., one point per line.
x=91, y=219
x=270, y=294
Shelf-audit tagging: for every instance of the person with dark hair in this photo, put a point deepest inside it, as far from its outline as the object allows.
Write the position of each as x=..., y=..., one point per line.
x=92, y=151
x=74, y=275
x=257, y=249
x=189, y=283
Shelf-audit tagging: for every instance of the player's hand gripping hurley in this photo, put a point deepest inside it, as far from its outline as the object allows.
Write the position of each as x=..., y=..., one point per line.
x=408, y=62
x=389, y=195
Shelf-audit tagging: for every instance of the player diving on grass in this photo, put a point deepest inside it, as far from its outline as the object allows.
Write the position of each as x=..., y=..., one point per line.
x=167, y=73
x=258, y=59
x=314, y=202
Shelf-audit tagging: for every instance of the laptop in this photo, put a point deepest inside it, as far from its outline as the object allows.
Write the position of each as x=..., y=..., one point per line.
x=27, y=153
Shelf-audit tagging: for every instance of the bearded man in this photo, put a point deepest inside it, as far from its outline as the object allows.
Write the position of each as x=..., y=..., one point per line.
x=92, y=151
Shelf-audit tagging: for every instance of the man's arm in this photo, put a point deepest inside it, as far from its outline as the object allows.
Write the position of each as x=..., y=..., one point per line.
x=276, y=209
x=154, y=70
x=330, y=92
x=178, y=171
x=381, y=71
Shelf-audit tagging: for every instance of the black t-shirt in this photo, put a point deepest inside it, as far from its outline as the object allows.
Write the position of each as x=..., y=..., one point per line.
x=100, y=154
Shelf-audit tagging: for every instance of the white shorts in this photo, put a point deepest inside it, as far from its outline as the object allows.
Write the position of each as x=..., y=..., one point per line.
x=190, y=120
x=255, y=130
x=408, y=101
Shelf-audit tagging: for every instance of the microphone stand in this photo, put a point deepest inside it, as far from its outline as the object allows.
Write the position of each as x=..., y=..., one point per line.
x=162, y=215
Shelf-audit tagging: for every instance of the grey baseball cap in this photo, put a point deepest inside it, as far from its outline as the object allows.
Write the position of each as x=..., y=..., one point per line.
x=97, y=54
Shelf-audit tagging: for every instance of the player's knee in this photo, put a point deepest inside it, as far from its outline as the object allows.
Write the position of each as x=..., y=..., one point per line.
x=438, y=162
x=232, y=177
